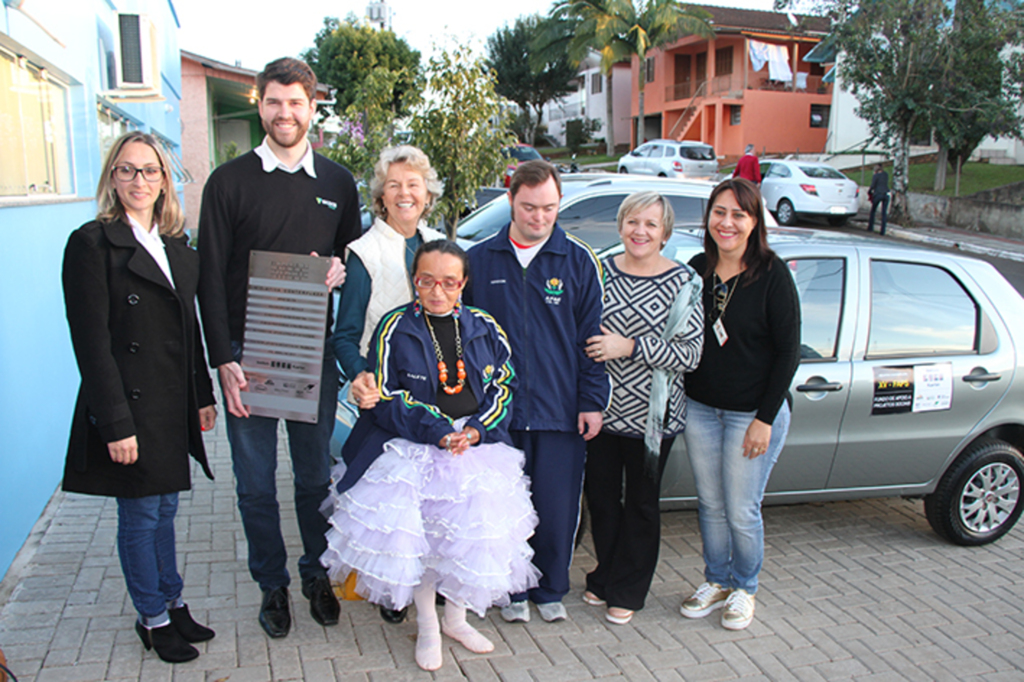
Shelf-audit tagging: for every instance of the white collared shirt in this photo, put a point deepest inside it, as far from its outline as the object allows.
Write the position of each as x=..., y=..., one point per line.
x=154, y=245
x=272, y=163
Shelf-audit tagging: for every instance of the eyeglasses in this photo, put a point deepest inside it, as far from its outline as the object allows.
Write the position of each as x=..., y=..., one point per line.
x=721, y=296
x=428, y=283
x=128, y=173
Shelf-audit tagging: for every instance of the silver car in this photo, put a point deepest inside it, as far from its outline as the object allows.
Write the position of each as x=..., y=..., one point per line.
x=907, y=384
x=672, y=159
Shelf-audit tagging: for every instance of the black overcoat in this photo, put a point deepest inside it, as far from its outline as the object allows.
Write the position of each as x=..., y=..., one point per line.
x=138, y=347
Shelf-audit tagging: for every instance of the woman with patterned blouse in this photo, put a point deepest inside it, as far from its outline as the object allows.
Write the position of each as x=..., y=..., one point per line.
x=653, y=332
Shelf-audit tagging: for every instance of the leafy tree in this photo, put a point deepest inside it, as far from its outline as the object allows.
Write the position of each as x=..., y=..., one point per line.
x=619, y=29
x=890, y=51
x=368, y=125
x=462, y=126
x=345, y=53
x=979, y=85
x=522, y=77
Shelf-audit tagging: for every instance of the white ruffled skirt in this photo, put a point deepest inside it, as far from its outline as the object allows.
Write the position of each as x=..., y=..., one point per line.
x=421, y=514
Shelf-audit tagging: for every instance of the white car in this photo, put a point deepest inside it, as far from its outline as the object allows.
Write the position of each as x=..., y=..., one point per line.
x=672, y=159
x=792, y=188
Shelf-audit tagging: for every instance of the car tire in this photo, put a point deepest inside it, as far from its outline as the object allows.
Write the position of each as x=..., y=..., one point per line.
x=623, y=170
x=784, y=212
x=979, y=497
x=837, y=220
x=662, y=175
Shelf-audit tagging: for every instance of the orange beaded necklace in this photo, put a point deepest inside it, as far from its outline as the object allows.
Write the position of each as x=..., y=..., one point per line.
x=442, y=368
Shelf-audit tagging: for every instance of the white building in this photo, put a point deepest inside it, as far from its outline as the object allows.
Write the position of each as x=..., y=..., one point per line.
x=589, y=101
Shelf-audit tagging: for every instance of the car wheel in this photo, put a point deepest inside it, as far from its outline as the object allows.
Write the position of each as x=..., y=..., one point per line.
x=784, y=212
x=978, y=499
x=662, y=175
x=623, y=170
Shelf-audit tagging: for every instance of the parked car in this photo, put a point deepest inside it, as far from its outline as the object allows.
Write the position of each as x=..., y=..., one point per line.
x=516, y=154
x=792, y=188
x=590, y=203
x=910, y=383
x=672, y=159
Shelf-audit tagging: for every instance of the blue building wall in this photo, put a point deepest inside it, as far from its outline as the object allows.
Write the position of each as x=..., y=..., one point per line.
x=38, y=375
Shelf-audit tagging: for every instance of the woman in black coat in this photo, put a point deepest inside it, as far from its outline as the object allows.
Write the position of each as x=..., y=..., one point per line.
x=129, y=290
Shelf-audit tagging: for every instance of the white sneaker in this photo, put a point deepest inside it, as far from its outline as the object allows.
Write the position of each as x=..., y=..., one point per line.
x=516, y=612
x=739, y=610
x=552, y=611
x=707, y=598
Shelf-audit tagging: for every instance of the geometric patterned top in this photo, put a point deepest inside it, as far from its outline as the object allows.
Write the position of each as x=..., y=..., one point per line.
x=637, y=307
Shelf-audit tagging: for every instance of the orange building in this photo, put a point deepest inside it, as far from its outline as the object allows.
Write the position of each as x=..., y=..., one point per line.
x=709, y=90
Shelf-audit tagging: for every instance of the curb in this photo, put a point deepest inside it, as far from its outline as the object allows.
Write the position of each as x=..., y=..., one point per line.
x=966, y=246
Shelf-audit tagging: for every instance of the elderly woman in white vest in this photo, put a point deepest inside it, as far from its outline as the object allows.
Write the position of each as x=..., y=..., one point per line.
x=404, y=189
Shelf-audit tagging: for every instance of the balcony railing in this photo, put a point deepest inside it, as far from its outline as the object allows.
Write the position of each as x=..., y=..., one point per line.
x=758, y=80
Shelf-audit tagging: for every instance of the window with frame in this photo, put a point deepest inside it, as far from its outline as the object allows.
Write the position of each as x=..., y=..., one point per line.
x=819, y=115
x=596, y=83
x=112, y=125
x=649, y=70
x=735, y=114
x=36, y=158
x=919, y=310
x=723, y=61
x=820, y=286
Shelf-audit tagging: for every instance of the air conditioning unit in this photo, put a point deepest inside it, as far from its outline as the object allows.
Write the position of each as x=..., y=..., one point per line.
x=136, y=53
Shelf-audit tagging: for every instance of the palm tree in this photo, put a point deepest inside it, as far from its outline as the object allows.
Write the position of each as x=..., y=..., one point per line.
x=619, y=29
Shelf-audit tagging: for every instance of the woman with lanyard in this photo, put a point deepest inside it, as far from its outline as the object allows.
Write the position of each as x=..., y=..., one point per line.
x=653, y=326
x=738, y=416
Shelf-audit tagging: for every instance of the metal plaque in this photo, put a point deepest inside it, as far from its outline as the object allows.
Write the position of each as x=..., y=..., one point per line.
x=285, y=325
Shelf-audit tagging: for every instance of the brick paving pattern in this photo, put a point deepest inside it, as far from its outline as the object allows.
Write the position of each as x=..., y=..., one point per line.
x=858, y=590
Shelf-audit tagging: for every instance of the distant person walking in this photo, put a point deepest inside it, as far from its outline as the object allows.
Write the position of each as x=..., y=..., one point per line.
x=878, y=193
x=748, y=166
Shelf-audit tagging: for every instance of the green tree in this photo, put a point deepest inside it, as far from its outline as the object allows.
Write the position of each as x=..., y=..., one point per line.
x=523, y=77
x=345, y=53
x=619, y=29
x=368, y=125
x=579, y=131
x=978, y=88
x=462, y=126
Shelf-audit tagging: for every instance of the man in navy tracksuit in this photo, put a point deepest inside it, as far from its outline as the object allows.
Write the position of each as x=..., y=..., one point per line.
x=544, y=288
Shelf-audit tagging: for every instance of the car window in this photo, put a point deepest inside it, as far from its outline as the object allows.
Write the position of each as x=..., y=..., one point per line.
x=701, y=153
x=656, y=151
x=593, y=219
x=689, y=210
x=822, y=172
x=820, y=285
x=779, y=171
x=642, y=150
x=485, y=221
x=522, y=153
x=919, y=309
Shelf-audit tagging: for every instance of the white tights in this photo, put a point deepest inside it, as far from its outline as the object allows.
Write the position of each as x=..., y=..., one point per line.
x=428, y=639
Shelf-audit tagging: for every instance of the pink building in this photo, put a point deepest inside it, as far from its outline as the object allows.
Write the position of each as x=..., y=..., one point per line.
x=709, y=90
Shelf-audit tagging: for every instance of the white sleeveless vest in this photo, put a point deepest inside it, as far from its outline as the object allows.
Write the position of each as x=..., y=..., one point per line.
x=382, y=251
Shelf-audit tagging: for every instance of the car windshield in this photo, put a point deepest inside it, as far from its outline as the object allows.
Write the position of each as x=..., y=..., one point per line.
x=522, y=153
x=823, y=172
x=485, y=221
x=703, y=153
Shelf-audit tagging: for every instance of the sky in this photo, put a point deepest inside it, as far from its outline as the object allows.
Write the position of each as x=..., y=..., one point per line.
x=231, y=31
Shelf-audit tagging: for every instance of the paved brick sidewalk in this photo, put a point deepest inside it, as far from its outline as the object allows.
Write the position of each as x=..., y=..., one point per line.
x=861, y=590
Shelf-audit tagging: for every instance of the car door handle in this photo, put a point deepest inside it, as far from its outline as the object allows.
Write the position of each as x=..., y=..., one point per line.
x=813, y=388
x=981, y=378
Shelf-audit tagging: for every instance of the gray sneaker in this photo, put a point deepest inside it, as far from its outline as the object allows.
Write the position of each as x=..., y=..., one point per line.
x=707, y=598
x=552, y=611
x=739, y=610
x=516, y=612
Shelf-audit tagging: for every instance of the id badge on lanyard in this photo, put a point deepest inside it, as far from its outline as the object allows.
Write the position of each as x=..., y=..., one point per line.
x=719, y=330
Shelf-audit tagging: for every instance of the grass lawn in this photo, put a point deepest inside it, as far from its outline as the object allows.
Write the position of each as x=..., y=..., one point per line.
x=974, y=177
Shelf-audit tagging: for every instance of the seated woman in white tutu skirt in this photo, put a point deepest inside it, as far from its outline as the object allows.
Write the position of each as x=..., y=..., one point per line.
x=431, y=497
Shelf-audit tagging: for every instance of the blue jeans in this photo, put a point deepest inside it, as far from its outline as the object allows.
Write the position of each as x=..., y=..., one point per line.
x=730, y=488
x=884, y=201
x=254, y=461
x=145, y=544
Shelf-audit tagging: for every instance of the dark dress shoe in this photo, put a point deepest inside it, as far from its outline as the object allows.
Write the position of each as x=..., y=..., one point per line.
x=392, y=615
x=275, y=617
x=167, y=642
x=323, y=605
x=189, y=630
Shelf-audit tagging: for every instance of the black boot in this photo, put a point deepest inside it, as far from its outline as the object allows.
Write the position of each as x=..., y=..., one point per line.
x=189, y=630
x=392, y=615
x=167, y=642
